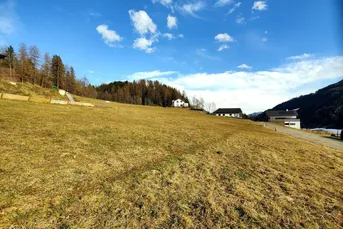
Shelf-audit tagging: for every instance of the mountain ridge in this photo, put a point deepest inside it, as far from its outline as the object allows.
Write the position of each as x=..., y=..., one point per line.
x=321, y=109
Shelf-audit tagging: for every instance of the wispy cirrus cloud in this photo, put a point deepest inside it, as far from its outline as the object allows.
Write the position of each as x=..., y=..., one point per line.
x=149, y=75
x=223, y=47
x=221, y=3
x=235, y=6
x=169, y=36
x=163, y=2
x=192, y=8
x=240, y=19
x=300, y=57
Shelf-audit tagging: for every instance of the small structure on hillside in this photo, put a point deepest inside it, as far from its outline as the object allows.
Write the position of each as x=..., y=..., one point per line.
x=62, y=92
x=2, y=56
x=287, y=117
x=229, y=112
x=179, y=103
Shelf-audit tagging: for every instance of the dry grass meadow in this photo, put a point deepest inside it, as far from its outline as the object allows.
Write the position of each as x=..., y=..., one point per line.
x=126, y=166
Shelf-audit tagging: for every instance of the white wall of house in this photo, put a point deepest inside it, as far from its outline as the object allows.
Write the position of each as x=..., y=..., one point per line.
x=230, y=115
x=293, y=124
x=179, y=103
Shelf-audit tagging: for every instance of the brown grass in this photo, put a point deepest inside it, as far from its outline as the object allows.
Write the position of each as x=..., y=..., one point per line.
x=29, y=90
x=149, y=167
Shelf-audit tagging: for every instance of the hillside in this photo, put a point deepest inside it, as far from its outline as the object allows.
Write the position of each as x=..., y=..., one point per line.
x=130, y=166
x=323, y=108
x=28, y=89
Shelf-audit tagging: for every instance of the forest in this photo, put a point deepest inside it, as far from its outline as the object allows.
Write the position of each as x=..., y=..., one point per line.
x=27, y=64
x=141, y=92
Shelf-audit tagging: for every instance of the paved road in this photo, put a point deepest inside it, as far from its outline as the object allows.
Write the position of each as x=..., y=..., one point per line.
x=317, y=139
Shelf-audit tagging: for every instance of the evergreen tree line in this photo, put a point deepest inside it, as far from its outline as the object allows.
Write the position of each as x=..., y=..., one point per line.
x=28, y=65
x=142, y=92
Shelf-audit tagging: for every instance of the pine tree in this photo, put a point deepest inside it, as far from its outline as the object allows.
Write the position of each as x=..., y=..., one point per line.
x=10, y=58
x=57, y=71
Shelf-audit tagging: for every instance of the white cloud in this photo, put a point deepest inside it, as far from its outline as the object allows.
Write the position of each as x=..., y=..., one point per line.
x=238, y=4
x=224, y=37
x=222, y=47
x=144, y=45
x=171, y=22
x=244, y=66
x=192, y=8
x=300, y=57
x=240, y=20
x=259, y=90
x=260, y=5
x=109, y=36
x=163, y=2
x=264, y=39
x=148, y=75
x=221, y=3
x=181, y=35
x=169, y=36
x=142, y=22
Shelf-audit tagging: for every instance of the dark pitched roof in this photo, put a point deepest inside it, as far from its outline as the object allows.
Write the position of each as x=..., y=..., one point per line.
x=2, y=56
x=281, y=113
x=228, y=111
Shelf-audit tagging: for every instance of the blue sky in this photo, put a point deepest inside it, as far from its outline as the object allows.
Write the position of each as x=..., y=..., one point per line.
x=249, y=54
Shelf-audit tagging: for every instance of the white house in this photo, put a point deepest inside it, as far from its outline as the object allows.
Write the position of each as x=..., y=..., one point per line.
x=229, y=112
x=179, y=103
x=287, y=117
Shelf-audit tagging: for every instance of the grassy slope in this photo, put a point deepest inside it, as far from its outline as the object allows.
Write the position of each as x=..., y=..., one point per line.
x=133, y=166
x=28, y=89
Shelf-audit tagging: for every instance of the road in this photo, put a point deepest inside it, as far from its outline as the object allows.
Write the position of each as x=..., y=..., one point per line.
x=317, y=139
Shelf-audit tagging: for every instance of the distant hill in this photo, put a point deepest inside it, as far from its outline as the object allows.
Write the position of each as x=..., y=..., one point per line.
x=323, y=108
x=255, y=114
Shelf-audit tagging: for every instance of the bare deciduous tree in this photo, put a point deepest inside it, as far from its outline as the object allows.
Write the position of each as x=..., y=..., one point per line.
x=210, y=107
